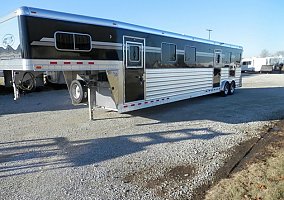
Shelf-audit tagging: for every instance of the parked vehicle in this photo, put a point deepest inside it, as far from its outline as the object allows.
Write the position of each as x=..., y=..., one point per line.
x=254, y=64
x=123, y=67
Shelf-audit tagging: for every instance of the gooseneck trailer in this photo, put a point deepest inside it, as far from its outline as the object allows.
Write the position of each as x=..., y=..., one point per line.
x=111, y=64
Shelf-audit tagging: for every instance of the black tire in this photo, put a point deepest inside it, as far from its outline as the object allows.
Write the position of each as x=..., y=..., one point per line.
x=232, y=88
x=78, y=92
x=226, y=90
x=28, y=82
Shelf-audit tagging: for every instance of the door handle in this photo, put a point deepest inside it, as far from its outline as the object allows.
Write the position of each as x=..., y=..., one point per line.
x=141, y=79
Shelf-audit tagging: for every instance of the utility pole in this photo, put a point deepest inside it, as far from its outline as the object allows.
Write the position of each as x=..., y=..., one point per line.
x=209, y=31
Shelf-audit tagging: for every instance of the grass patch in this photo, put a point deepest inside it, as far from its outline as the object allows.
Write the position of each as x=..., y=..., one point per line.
x=262, y=179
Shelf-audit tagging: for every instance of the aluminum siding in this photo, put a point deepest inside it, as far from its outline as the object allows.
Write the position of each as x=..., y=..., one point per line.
x=172, y=82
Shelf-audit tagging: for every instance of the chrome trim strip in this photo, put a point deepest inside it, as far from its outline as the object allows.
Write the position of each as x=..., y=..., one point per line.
x=36, y=12
x=153, y=48
x=107, y=47
x=37, y=43
x=106, y=44
x=45, y=39
x=95, y=44
x=118, y=46
x=45, y=64
x=180, y=52
x=204, y=54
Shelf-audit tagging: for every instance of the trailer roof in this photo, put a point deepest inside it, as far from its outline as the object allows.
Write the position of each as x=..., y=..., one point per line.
x=36, y=12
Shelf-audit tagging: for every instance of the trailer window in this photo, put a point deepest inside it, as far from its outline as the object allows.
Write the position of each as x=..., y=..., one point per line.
x=232, y=70
x=168, y=52
x=217, y=58
x=134, y=53
x=73, y=41
x=64, y=41
x=82, y=42
x=228, y=57
x=246, y=63
x=189, y=55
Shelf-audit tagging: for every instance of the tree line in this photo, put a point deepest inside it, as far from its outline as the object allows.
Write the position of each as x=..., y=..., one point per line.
x=265, y=53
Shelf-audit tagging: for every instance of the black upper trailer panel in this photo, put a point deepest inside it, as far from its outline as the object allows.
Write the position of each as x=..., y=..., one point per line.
x=36, y=12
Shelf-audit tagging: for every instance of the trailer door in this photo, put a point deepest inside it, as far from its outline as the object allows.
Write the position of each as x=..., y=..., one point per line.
x=217, y=68
x=134, y=61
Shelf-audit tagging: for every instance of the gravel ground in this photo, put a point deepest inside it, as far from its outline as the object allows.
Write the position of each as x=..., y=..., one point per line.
x=49, y=149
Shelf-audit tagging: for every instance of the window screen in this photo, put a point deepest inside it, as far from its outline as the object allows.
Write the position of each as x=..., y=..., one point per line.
x=168, y=52
x=134, y=53
x=64, y=41
x=218, y=57
x=73, y=41
x=232, y=70
x=82, y=42
x=190, y=55
x=246, y=63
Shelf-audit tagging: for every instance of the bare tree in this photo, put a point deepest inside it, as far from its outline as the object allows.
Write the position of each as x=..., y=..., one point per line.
x=279, y=53
x=264, y=53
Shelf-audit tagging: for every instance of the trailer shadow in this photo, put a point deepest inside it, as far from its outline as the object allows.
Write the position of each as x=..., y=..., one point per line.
x=38, y=155
x=247, y=105
x=37, y=102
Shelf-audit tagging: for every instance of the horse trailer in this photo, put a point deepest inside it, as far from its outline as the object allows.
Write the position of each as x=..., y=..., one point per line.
x=255, y=64
x=112, y=64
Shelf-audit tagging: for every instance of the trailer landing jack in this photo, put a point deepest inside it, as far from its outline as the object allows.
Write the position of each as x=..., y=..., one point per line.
x=91, y=100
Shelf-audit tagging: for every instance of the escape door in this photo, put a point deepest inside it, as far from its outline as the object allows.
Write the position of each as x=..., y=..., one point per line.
x=134, y=62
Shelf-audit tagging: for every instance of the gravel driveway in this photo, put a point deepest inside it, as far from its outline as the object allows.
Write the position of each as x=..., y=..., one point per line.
x=49, y=149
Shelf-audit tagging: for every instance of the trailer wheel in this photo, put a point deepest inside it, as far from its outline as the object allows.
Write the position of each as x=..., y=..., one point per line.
x=28, y=82
x=226, y=90
x=232, y=88
x=78, y=92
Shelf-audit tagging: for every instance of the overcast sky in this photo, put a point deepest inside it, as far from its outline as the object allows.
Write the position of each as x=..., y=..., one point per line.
x=253, y=24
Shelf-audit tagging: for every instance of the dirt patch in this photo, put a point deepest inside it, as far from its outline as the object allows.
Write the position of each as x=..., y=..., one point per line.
x=180, y=172
x=269, y=143
x=163, y=184
x=253, y=151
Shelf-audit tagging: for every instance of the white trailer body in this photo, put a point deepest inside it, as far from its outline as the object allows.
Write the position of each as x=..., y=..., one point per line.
x=253, y=64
